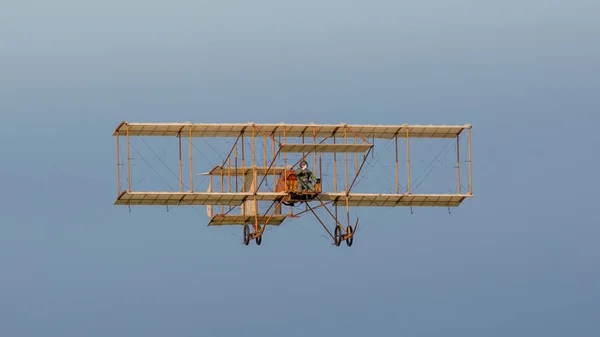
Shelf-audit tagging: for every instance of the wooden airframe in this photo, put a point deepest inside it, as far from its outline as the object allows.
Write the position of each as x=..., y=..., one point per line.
x=285, y=138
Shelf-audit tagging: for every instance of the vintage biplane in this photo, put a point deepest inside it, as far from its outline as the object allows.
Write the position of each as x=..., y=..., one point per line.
x=253, y=184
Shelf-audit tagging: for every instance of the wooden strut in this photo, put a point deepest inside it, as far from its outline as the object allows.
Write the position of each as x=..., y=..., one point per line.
x=458, y=161
x=243, y=160
x=285, y=183
x=334, y=169
x=265, y=176
x=180, y=163
x=336, y=210
x=347, y=211
x=229, y=177
x=321, y=169
x=346, y=160
x=118, y=166
x=236, y=165
x=360, y=169
x=408, y=158
x=274, y=171
x=253, y=180
x=227, y=161
x=397, y=170
x=243, y=187
x=315, y=153
x=266, y=134
x=222, y=187
x=356, y=156
x=333, y=216
x=191, y=163
x=322, y=224
x=319, y=206
x=233, y=148
x=304, y=157
x=262, y=230
x=128, y=161
x=303, y=153
x=210, y=189
x=230, y=209
x=469, y=158
x=357, y=134
x=273, y=203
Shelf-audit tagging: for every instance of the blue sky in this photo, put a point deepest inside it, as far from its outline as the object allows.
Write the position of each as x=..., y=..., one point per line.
x=519, y=259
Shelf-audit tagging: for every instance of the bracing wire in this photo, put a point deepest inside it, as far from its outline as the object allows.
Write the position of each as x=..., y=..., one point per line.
x=372, y=165
x=178, y=179
x=212, y=148
x=433, y=160
x=434, y=166
x=143, y=158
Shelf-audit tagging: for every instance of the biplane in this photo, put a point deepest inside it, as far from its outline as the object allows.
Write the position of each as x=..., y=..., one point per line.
x=254, y=184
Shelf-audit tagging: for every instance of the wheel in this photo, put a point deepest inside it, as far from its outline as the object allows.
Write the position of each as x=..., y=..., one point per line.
x=338, y=235
x=350, y=239
x=246, y=235
x=258, y=240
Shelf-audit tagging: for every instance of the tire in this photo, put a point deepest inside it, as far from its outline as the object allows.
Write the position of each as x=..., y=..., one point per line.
x=246, y=235
x=350, y=239
x=337, y=235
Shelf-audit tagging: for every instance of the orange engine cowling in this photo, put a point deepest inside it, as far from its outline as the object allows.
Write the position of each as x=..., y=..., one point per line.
x=289, y=184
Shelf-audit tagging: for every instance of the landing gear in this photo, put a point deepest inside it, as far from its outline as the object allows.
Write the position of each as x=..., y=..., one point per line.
x=246, y=234
x=350, y=238
x=249, y=236
x=338, y=236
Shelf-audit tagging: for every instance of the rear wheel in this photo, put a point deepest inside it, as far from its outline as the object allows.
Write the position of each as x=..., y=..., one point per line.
x=258, y=240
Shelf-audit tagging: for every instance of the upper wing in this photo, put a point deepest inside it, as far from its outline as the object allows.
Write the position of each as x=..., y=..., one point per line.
x=190, y=198
x=377, y=199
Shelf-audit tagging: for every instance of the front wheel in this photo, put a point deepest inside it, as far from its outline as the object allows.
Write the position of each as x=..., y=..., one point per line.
x=350, y=239
x=246, y=235
x=337, y=235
